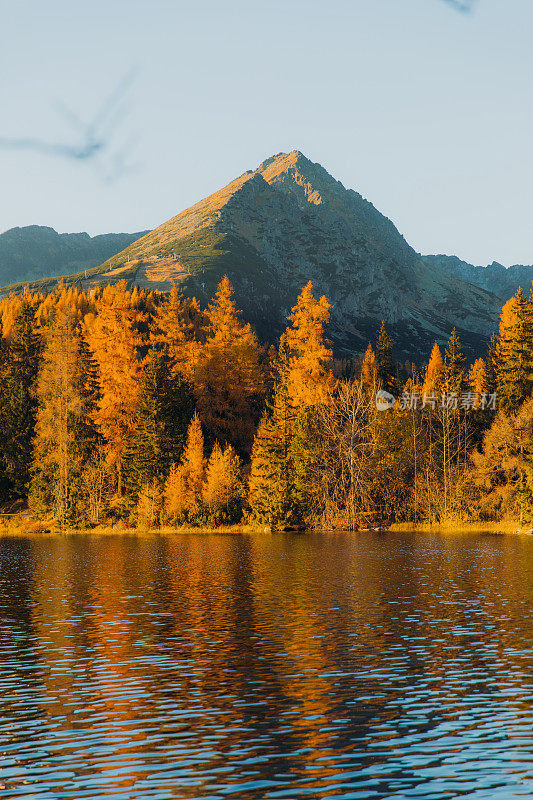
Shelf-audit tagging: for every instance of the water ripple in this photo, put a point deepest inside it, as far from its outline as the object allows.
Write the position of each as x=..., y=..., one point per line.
x=285, y=667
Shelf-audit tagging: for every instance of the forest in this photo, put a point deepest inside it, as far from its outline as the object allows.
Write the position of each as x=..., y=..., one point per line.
x=127, y=407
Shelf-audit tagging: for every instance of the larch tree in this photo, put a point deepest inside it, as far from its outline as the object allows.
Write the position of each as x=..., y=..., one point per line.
x=503, y=468
x=222, y=492
x=434, y=372
x=113, y=337
x=309, y=378
x=175, y=494
x=228, y=381
x=369, y=371
x=65, y=436
x=178, y=324
x=477, y=381
x=183, y=487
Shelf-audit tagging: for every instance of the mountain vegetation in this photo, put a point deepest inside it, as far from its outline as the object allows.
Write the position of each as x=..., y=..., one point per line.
x=122, y=405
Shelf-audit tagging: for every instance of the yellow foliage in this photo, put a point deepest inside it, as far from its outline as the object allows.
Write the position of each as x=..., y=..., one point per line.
x=178, y=325
x=113, y=338
x=477, y=380
x=228, y=375
x=434, y=372
x=175, y=493
x=149, y=505
x=183, y=488
x=222, y=488
x=309, y=378
x=508, y=317
x=369, y=370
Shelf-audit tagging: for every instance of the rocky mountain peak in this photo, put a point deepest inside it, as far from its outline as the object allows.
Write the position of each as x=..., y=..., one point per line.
x=288, y=221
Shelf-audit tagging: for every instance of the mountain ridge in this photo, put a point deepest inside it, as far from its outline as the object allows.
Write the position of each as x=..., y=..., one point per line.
x=289, y=221
x=34, y=252
x=502, y=281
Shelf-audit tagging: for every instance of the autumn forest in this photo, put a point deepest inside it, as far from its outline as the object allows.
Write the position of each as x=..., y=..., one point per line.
x=129, y=407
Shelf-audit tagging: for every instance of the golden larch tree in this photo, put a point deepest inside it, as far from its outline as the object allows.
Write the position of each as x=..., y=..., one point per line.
x=309, y=379
x=113, y=337
x=369, y=370
x=434, y=372
x=178, y=324
x=222, y=491
x=228, y=381
x=477, y=380
x=183, y=488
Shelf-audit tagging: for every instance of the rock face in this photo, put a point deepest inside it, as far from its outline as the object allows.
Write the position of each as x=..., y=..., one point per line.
x=501, y=281
x=33, y=252
x=288, y=222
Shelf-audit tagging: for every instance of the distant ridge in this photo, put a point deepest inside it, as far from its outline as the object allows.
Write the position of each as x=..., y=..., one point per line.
x=502, y=281
x=36, y=251
x=287, y=222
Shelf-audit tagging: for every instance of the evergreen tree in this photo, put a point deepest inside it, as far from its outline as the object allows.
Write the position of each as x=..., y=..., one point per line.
x=304, y=456
x=491, y=364
x=21, y=354
x=272, y=497
x=164, y=412
x=386, y=368
x=454, y=365
x=514, y=374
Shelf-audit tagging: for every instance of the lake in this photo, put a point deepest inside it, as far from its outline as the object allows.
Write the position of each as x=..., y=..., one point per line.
x=277, y=666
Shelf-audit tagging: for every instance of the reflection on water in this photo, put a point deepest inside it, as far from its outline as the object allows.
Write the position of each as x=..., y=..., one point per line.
x=280, y=666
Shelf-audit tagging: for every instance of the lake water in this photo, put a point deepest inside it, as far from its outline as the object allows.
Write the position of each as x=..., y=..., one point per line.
x=284, y=666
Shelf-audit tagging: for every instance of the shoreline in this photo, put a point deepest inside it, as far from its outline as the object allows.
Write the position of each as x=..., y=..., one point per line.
x=504, y=528
x=49, y=528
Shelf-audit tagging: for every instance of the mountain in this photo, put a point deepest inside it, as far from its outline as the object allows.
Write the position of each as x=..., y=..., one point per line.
x=33, y=252
x=285, y=223
x=501, y=281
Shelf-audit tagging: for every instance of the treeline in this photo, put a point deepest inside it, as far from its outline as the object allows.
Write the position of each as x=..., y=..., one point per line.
x=129, y=405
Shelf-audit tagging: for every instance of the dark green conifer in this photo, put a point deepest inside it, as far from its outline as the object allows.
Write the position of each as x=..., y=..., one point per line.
x=385, y=361
x=19, y=367
x=272, y=496
x=163, y=416
x=454, y=365
x=514, y=374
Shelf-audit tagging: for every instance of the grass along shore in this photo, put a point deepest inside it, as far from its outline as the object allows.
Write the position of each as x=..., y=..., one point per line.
x=23, y=526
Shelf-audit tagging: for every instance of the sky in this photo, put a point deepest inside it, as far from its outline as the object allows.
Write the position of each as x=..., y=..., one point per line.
x=427, y=112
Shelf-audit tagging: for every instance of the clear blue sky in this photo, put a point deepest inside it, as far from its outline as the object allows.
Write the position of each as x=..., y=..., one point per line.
x=427, y=112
